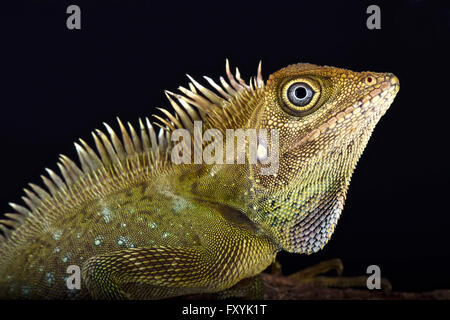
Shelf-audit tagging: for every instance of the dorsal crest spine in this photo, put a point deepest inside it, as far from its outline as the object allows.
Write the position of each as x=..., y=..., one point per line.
x=141, y=152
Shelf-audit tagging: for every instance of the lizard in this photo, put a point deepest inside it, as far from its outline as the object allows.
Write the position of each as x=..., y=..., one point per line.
x=140, y=226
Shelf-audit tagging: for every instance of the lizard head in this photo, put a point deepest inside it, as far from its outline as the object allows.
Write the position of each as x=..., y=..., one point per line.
x=324, y=117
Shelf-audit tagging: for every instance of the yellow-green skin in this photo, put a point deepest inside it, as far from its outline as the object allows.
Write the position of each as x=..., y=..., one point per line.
x=149, y=229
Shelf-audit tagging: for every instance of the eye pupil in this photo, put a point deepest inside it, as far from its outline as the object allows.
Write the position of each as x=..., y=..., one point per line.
x=369, y=79
x=300, y=93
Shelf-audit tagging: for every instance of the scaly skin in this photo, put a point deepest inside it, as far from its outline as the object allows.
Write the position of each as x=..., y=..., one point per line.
x=142, y=227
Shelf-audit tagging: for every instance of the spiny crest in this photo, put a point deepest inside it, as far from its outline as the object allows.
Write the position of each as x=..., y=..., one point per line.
x=221, y=109
x=119, y=160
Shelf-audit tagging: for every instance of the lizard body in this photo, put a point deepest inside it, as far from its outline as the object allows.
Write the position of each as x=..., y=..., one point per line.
x=142, y=227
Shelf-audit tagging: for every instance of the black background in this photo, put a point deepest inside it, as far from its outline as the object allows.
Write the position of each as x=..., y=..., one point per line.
x=57, y=85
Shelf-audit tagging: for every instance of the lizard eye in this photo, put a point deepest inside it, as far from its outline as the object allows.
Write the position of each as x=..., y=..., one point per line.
x=299, y=96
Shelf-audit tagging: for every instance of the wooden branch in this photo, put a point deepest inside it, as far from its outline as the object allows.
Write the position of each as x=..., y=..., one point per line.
x=283, y=288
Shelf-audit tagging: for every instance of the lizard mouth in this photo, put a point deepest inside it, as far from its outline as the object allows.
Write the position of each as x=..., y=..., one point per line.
x=372, y=107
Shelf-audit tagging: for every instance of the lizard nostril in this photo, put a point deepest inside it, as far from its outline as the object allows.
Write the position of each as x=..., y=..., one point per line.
x=369, y=80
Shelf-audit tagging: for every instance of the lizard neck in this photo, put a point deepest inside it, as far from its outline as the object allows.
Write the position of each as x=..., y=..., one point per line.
x=224, y=184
